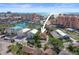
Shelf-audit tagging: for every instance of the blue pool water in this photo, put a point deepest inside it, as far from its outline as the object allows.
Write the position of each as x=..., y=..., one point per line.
x=20, y=26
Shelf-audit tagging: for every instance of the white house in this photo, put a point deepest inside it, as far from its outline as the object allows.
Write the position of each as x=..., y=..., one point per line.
x=23, y=32
x=34, y=31
x=62, y=34
x=31, y=33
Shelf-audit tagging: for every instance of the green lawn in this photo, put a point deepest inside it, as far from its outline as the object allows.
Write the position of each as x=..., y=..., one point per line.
x=74, y=33
x=77, y=38
x=56, y=41
x=71, y=33
x=6, y=25
x=66, y=40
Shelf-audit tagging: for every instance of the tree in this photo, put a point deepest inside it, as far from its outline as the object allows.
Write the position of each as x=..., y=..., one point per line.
x=16, y=49
x=58, y=44
x=74, y=49
x=55, y=41
x=37, y=42
x=30, y=25
x=70, y=48
x=46, y=46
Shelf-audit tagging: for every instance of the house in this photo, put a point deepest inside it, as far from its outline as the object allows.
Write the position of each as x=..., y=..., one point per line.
x=70, y=29
x=75, y=44
x=32, y=51
x=62, y=34
x=37, y=51
x=49, y=51
x=54, y=34
x=65, y=52
x=22, y=32
x=31, y=33
x=43, y=36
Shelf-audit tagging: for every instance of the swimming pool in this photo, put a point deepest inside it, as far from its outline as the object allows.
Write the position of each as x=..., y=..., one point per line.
x=20, y=26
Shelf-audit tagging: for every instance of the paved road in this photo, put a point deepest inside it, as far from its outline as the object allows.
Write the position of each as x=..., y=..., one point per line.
x=4, y=47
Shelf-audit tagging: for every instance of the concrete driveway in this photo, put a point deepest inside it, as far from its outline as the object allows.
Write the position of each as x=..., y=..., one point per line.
x=4, y=47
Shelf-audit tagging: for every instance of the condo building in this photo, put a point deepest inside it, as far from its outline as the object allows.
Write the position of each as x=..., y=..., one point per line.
x=68, y=21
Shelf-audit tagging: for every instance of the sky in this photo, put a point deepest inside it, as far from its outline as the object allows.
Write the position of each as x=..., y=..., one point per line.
x=39, y=7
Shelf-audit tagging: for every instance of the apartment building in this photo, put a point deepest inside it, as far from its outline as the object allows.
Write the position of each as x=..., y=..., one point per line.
x=68, y=21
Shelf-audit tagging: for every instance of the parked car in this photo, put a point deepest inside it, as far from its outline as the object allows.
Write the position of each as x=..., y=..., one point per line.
x=6, y=38
x=2, y=36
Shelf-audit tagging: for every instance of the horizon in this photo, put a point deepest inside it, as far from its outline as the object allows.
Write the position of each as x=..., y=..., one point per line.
x=39, y=7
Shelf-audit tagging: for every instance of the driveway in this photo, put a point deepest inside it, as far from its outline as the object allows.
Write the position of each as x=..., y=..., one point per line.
x=4, y=47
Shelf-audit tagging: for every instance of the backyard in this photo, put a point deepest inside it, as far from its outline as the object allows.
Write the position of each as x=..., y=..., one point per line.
x=6, y=25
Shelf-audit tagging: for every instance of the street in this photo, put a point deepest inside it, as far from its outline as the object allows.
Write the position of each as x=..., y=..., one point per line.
x=4, y=47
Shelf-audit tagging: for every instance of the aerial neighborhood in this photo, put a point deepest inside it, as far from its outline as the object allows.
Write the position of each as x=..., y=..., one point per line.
x=21, y=34
x=35, y=33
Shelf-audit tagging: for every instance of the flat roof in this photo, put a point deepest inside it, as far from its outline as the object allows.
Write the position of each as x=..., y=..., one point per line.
x=25, y=30
x=60, y=32
x=34, y=31
x=70, y=29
